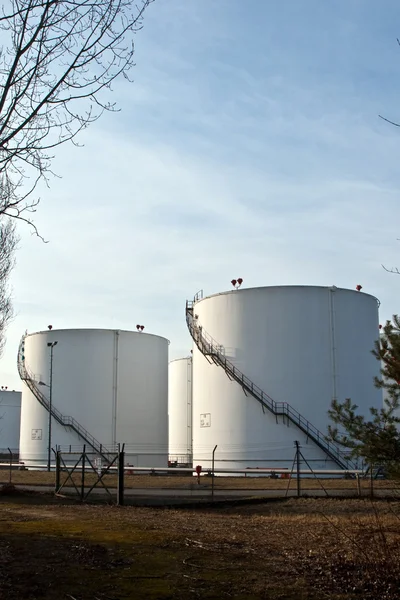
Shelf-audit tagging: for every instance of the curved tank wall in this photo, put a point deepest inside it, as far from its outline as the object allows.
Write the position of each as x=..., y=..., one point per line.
x=180, y=411
x=301, y=345
x=114, y=383
x=10, y=416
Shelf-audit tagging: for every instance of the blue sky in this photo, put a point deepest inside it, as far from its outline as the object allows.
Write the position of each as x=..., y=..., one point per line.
x=249, y=145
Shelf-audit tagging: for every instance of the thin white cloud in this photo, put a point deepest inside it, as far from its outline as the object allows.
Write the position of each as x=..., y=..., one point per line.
x=261, y=174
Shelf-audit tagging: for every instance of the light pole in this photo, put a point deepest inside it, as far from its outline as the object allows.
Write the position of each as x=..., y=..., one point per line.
x=51, y=346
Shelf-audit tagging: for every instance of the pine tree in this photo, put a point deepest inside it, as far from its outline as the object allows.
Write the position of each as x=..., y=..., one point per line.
x=377, y=439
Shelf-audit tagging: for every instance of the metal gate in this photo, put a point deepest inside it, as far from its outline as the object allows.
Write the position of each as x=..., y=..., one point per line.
x=78, y=465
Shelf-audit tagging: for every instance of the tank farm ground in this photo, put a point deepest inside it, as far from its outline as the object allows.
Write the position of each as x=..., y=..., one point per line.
x=249, y=546
x=300, y=548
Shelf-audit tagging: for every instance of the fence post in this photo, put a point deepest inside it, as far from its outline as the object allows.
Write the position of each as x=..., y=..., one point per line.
x=212, y=475
x=58, y=468
x=372, y=481
x=83, y=473
x=358, y=485
x=11, y=456
x=298, y=468
x=121, y=474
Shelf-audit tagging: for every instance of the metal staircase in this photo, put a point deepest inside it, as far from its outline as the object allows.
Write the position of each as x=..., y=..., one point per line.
x=214, y=353
x=63, y=420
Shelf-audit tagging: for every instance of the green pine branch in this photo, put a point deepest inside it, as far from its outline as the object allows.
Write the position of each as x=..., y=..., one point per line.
x=375, y=439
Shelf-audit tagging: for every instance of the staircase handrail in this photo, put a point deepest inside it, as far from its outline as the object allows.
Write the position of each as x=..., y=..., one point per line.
x=208, y=345
x=66, y=421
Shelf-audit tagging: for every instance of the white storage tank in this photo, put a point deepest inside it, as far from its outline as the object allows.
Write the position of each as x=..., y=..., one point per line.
x=10, y=416
x=108, y=385
x=303, y=346
x=180, y=411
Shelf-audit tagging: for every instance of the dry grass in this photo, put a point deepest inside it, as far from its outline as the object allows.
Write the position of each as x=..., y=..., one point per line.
x=304, y=549
x=185, y=482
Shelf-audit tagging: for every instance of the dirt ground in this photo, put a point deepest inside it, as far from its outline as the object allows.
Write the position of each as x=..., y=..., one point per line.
x=189, y=482
x=298, y=549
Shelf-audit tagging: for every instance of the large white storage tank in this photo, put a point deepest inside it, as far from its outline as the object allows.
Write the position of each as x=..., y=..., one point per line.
x=302, y=346
x=180, y=411
x=114, y=385
x=10, y=416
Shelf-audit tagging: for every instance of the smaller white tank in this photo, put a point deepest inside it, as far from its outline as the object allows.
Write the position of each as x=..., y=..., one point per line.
x=180, y=411
x=108, y=387
x=10, y=418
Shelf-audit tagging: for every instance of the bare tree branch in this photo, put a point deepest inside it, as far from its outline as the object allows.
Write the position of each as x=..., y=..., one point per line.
x=389, y=121
x=394, y=270
x=55, y=72
x=58, y=60
x=8, y=243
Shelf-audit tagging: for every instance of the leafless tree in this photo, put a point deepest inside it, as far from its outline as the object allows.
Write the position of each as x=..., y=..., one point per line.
x=8, y=242
x=57, y=61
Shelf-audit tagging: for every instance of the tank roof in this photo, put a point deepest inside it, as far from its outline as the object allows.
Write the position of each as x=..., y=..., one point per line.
x=279, y=287
x=182, y=358
x=92, y=329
